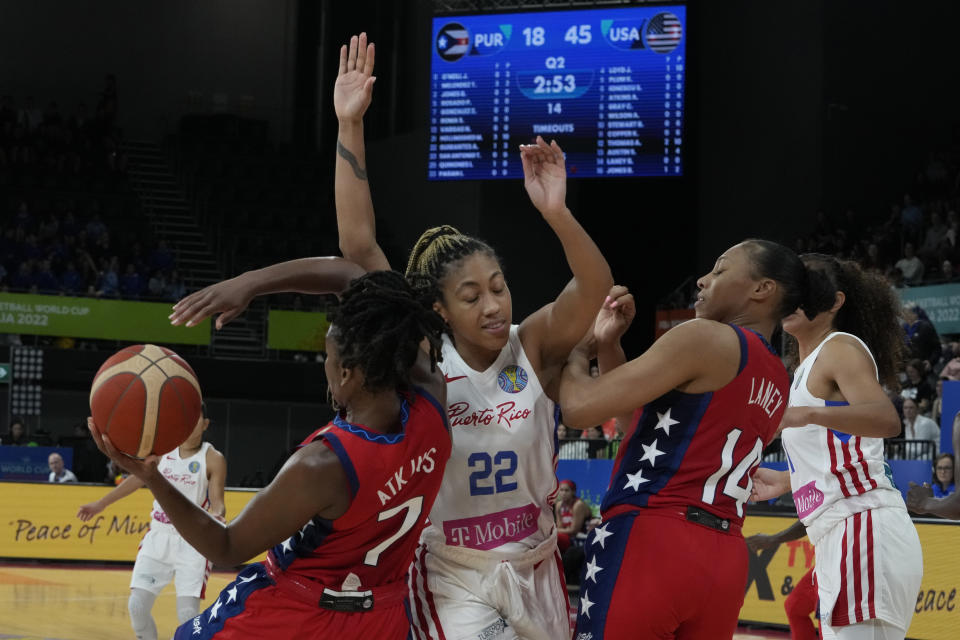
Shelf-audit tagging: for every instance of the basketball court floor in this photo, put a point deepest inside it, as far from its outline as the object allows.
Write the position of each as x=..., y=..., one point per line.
x=82, y=602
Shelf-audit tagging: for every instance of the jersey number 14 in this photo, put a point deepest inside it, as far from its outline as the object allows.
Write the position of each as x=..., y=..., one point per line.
x=731, y=487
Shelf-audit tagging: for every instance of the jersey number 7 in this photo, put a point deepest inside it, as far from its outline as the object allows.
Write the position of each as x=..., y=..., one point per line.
x=413, y=507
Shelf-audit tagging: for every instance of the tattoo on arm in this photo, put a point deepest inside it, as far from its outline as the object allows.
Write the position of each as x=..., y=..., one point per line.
x=352, y=159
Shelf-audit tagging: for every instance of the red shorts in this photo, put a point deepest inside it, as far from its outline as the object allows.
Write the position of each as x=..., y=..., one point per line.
x=651, y=574
x=252, y=606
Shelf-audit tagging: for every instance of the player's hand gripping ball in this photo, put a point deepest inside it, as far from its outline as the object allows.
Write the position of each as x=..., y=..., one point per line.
x=146, y=399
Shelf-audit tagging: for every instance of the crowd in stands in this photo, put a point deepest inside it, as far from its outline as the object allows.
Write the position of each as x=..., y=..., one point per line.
x=69, y=223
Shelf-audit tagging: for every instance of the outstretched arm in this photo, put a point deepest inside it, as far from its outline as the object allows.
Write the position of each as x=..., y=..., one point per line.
x=555, y=329
x=352, y=94
x=763, y=541
x=230, y=297
x=697, y=356
x=122, y=490
x=274, y=514
x=920, y=500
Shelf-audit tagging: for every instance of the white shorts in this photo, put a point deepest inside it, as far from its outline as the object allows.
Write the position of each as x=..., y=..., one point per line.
x=163, y=555
x=869, y=567
x=454, y=600
x=866, y=630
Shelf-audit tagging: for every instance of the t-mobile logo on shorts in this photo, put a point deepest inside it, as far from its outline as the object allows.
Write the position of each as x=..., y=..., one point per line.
x=494, y=529
x=807, y=498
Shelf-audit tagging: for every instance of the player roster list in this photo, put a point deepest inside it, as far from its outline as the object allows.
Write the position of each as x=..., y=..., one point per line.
x=607, y=84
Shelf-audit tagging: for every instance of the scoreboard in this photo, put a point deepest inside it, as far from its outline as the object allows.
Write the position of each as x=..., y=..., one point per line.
x=607, y=84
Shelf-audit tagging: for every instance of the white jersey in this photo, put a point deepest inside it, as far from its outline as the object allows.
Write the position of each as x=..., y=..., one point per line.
x=500, y=482
x=831, y=472
x=188, y=475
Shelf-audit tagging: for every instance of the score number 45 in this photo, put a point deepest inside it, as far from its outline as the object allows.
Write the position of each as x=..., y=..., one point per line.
x=576, y=34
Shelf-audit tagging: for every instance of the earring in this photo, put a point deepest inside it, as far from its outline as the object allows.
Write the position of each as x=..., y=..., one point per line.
x=332, y=401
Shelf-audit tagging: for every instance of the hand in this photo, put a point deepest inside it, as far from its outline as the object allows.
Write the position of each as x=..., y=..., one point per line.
x=917, y=497
x=545, y=176
x=87, y=511
x=795, y=417
x=767, y=485
x=615, y=316
x=761, y=541
x=353, y=90
x=228, y=298
x=136, y=466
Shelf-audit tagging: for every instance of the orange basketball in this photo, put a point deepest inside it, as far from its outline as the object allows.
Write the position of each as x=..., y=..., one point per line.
x=147, y=399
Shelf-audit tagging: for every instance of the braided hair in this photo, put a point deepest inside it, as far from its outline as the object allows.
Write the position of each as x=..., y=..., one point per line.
x=439, y=249
x=378, y=327
x=871, y=310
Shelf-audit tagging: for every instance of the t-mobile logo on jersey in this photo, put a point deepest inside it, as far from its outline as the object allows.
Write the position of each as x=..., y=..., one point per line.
x=420, y=464
x=494, y=529
x=505, y=413
x=807, y=498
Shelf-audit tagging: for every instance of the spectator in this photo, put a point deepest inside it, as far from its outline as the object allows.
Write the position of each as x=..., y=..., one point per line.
x=923, y=341
x=911, y=218
x=917, y=426
x=46, y=281
x=18, y=435
x=95, y=228
x=947, y=274
x=156, y=284
x=932, y=240
x=72, y=281
x=571, y=449
x=58, y=472
x=176, y=288
x=910, y=265
x=943, y=484
x=108, y=285
x=161, y=259
x=131, y=284
x=936, y=410
x=916, y=386
x=596, y=443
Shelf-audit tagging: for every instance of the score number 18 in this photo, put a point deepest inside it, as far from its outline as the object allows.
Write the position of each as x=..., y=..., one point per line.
x=576, y=34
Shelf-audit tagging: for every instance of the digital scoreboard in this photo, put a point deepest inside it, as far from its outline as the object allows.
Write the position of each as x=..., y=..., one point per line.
x=607, y=84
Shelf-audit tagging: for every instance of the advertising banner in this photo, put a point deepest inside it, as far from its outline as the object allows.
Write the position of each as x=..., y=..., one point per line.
x=940, y=301
x=40, y=521
x=95, y=318
x=775, y=572
x=30, y=463
x=297, y=330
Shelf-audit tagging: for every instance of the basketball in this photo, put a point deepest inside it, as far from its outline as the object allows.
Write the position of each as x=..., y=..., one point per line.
x=147, y=399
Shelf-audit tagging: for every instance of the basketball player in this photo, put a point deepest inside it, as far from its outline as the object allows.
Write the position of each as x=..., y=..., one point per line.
x=199, y=472
x=343, y=516
x=669, y=560
x=802, y=600
x=869, y=563
x=488, y=565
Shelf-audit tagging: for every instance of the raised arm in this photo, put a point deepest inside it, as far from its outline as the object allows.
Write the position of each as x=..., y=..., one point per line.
x=216, y=481
x=869, y=413
x=555, y=329
x=614, y=318
x=122, y=490
x=352, y=94
x=697, y=356
x=274, y=514
x=230, y=297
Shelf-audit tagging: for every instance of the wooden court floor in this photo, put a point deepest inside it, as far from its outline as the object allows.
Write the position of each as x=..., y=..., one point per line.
x=75, y=602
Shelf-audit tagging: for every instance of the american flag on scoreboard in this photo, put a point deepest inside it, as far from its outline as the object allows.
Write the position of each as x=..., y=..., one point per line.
x=664, y=32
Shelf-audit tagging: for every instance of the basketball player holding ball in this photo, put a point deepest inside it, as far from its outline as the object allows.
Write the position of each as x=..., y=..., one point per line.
x=199, y=472
x=488, y=565
x=669, y=560
x=343, y=516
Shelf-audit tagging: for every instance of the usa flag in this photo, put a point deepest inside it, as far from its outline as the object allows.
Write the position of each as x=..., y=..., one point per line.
x=664, y=32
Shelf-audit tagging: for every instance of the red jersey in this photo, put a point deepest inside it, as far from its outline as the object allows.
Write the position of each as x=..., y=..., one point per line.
x=701, y=449
x=394, y=479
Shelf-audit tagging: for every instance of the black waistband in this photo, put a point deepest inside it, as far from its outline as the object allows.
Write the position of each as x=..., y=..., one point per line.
x=707, y=519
